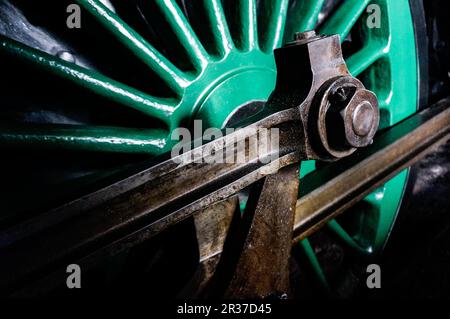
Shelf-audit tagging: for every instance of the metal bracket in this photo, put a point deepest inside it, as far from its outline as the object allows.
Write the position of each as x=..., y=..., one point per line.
x=315, y=100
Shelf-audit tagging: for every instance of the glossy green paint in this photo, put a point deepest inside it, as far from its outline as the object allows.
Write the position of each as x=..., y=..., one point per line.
x=377, y=218
x=351, y=240
x=304, y=16
x=274, y=15
x=241, y=72
x=84, y=138
x=207, y=93
x=315, y=265
x=344, y=18
x=183, y=31
x=247, y=38
x=387, y=65
x=137, y=44
x=155, y=107
x=217, y=21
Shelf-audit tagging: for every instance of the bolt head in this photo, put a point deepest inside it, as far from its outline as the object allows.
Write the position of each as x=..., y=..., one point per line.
x=305, y=37
x=363, y=118
x=339, y=112
x=300, y=36
x=348, y=116
x=66, y=56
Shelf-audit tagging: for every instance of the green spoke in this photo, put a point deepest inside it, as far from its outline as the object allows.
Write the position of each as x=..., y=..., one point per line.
x=336, y=228
x=274, y=17
x=364, y=58
x=240, y=69
x=248, y=24
x=93, y=81
x=385, y=102
x=168, y=72
x=219, y=25
x=344, y=18
x=302, y=16
x=85, y=138
x=312, y=258
x=184, y=32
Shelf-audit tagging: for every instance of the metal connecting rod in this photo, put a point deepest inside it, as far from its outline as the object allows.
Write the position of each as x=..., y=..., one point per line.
x=321, y=113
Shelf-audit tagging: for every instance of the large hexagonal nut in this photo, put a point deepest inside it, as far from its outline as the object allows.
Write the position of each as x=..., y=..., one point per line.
x=361, y=118
x=347, y=116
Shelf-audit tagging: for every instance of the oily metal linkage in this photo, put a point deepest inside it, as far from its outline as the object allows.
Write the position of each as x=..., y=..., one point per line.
x=338, y=116
x=328, y=192
x=303, y=107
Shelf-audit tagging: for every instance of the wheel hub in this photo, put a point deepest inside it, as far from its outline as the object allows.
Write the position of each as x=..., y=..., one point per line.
x=227, y=85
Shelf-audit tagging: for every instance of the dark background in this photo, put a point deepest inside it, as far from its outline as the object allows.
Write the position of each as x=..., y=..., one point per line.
x=416, y=263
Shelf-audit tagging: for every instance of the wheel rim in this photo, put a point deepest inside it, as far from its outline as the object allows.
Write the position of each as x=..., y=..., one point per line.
x=237, y=68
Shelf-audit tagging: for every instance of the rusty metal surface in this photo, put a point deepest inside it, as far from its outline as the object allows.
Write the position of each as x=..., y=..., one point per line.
x=304, y=67
x=134, y=209
x=212, y=225
x=350, y=180
x=263, y=267
x=404, y=144
x=139, y=207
